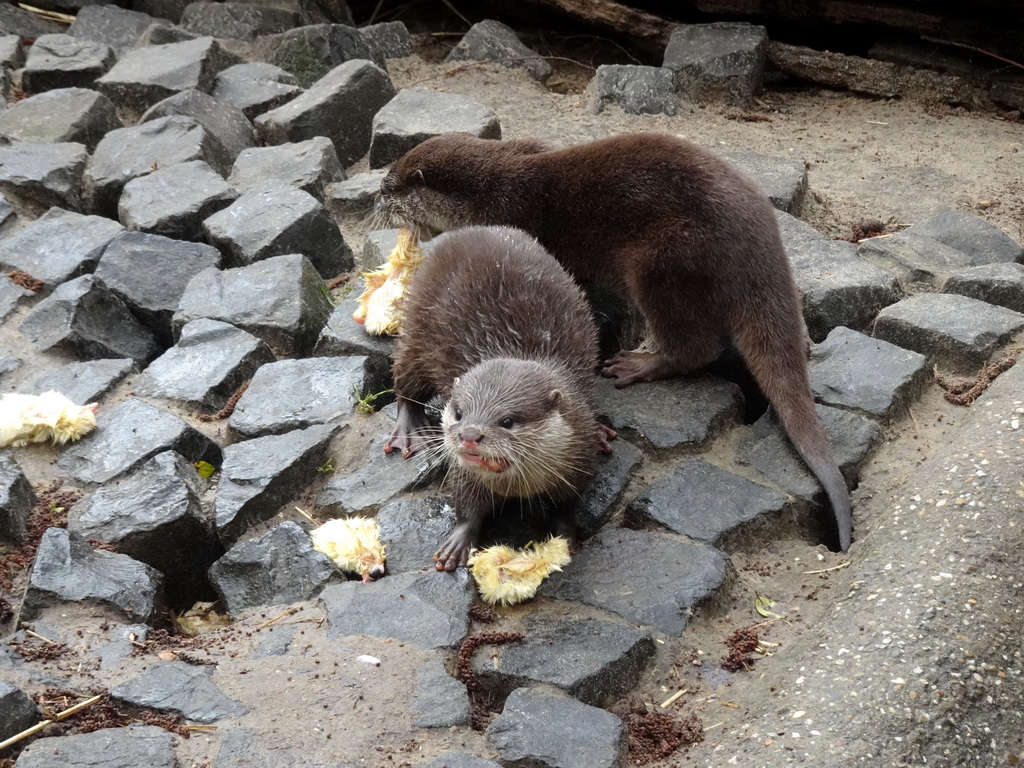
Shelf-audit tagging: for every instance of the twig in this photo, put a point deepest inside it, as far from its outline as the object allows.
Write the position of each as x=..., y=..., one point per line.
x=833, y=568
x=55, y=719
x=200, y=727
x=1011, y=62
x=289, y=612
x=306, y=515
x=63, y=18
x=673, y=698
x=40, y=637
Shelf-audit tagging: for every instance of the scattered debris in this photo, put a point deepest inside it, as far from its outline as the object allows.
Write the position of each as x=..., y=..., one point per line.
x=966, y=391
x=229, y=407
x=25, y=280
x=482, y=704
x=656, y=735
x=741, y=644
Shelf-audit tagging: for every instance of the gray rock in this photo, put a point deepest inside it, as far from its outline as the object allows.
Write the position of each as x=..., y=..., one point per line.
x=645, y=578
x=119, y=28
x=255, y=87
x=914, y=258
x=12, y=52
x=460, y=760
x=7, y=216
x=491, y=40
x=274, y=644
x=413, y=529
x=16, y=501
x=354, y=196
x=703, y=502
x=10, y=295
x=128, y=153
x=260, y=475
x=24, y=24
x=637, y=90
x=84, y=382
x=174, y=201
x=279, y=567
x=416, y=114
x=8, y=364
x=594, y=661
x=282, y=300
x=851, y=370
x=179, y=687
x=150, y=273
x=768, y=450
x=159, y=34
x=537, y=729
x=85, y=318
x=377, y=246
x=76, y=115
x=426, y=610
x=135, y=745
x=239, y=21
x=1000, y=284
x=721, y=62
x=340, y=105
x=838, y=287
x=292, y=394
x=440, y=701
x=128, y=434
x=311, y=52
x=983, y=242
x=782, y=179
x=59, y=246
x=155, y=516
x=223, y=121
x=207, y=366
x=342, y=336
x=17, y=711
x=147, y=75
x=68, y=569
x=63, y=61
x=954, y=331
x=275, y=220
x=671, y=414
x=388, y=40
x=120, y=647
x=611, y=475
x=34, y=177
x=308, y=165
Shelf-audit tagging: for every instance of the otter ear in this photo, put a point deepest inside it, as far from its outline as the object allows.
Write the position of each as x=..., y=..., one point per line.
x=555, y=398
x=417, y=178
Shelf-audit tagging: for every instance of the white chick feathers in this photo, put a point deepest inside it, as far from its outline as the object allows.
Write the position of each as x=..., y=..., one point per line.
x=28, y=419
x=353, y=543
x=380, y=305
x=508, y=576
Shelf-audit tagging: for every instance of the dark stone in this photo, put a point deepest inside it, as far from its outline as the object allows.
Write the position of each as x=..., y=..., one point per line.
x=377, y=246
x=954, y=331
x=34, y=177
x=413, y=529
x=537, y=729
x=24, y=24
x=85, y=318
x=84, y=382
x=239, y=21
x=914, y=258
x=782, y=179
x=255, y=87
x=611, y=475
x=721, y=62
x=130, y=747
x=342, y=336
x=207, y=366
x=461, y=760
x=275, y=220
x=75, y=115
x=645, y=578
x=354, y=196
x=150, y=273
x=12, y=52
x=594, y=661
x=440, y=701
x=260, y=475
x=17, y=711
x=983, y=242
x=851, y=370
x=11, y=295
x=159, y=34
x=635, y=89
x=63, y=61
x=309, y=166
x=388, y=40
x=279, y=567
x=16, y=501
x=121, y=646
x=1000, y=284
x=491, y=40
x=8, y=364
x=703, y=502
x=426, y=610
x=417, y=114
x=59, y=246
x=340, y=106
x=311, y=52
x=68, y=569
x=282, y=300
x=223, y=121
x=178, y=687
x=119, y=28
x=128, y=434
x=686, y=412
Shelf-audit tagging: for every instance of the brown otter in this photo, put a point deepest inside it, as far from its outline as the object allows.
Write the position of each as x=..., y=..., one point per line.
x=494, y=324
x=684, y=235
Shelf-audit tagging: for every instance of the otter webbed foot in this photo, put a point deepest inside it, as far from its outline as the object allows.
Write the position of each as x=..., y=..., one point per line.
x=604, y=437
x=454, y=552
x=412, y=431
x=632, y=367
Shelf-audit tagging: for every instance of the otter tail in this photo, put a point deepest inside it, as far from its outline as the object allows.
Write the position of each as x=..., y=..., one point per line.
x=776, y=357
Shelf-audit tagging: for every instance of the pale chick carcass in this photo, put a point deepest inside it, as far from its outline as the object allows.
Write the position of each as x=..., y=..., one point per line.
x=508, y=576
x=28, y=419
x=380, y=305
x=353, y=544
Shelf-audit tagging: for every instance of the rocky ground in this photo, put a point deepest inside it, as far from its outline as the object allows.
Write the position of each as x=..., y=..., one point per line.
x=703, y=620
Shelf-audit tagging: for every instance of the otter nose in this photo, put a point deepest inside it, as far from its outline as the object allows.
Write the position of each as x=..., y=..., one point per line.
x=471, y=437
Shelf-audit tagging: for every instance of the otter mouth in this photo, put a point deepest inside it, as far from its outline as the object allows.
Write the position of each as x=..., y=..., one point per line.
x=494, y=464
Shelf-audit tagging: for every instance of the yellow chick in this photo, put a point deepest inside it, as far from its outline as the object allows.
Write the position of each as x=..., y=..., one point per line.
x=380, y=305
x=353, y=543
x=508, y=576
x=28, y=419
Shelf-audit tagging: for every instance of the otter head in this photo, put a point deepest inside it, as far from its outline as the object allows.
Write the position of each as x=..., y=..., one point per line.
x=504, y=424
x=452, y=181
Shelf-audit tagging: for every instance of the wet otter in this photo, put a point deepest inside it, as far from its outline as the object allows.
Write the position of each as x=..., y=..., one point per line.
x=494, y=324
x=682, y=234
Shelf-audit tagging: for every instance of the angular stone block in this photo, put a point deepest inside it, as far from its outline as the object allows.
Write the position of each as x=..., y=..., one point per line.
x=461, y=760
x=340, y=106
x=11, y=294
x=412, y=529
x=34, y=177
x=255, y=87
x=609, y=480
x=387, y=40
x=308, y=166
x=311, y=52
x=75, y=115
x=782, y=179
x=354, y=196
x=179, y=687
x=983, y=242
x=417, y=114
x=226, y=123
x=63, y=61
x=12, y=52
x=135, y=745
x=24, y=24
x=1001, y=284
x=119, y=28
x=491, y=40
x=84, y=382
x=914, y=258
x=16, y=499
x=17, y=711
x=440, y=701
x=636, y=90
x=238, y=21
x=723, y=61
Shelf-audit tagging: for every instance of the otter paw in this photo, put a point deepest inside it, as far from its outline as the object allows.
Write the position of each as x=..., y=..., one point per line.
x=632, y=367
x=453, y=553
x=604, y=437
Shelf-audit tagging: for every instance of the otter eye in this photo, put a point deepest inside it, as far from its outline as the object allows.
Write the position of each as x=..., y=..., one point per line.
x=506, y=423
x=458, y=414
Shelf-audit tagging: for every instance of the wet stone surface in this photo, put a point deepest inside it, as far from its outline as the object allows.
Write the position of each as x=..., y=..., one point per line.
x=84, y=382
x=441, y=700
x=76, y=115
x=135, y=745
x=16, y=499
x=413, y=529
x=307, y=165
x=179, y=687
x=35, y=177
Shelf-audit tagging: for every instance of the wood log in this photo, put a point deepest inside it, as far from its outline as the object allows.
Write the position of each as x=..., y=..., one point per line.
x=645, y=29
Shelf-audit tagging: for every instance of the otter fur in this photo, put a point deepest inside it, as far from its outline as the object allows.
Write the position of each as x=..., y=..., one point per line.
x=682, y=234
x=494, y=325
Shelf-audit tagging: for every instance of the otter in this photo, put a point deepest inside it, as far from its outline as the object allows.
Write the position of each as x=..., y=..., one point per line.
x=680, y=233
x=497, y=327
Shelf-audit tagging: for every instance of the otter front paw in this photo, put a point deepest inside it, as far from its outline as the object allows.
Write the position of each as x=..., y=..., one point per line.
x=456, y=548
